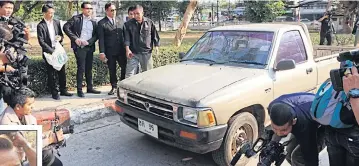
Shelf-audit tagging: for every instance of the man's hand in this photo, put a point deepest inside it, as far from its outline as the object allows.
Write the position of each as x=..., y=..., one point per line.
x=19, y=141
x=27, y=32
x=103, y=57
x=129, y=54
x=157, y=51
x=9, y=68
x=84, y=43
x=351, y=81
x=78, y=42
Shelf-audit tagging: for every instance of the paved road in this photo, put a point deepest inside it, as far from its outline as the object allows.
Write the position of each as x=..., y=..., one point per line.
x=109, y=142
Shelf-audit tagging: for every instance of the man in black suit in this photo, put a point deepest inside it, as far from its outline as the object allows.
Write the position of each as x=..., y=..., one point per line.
x=81, y=30
x=111, y=41
x=48, y=30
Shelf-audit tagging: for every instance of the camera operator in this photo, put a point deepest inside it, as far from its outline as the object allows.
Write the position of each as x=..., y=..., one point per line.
x=343, y=143
x=19, y=113
x=6, y=10
x=290, y=113
x=327, y=28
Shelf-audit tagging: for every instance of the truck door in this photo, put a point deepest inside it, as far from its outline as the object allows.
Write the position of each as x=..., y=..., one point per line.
x=303, y=78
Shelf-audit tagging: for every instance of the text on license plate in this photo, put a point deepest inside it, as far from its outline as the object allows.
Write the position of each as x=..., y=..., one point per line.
x=148, y=128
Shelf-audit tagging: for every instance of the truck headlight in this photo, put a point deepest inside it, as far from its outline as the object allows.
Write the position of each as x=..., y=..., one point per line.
x=198, y=117
x=190, y=115
x=121, y=94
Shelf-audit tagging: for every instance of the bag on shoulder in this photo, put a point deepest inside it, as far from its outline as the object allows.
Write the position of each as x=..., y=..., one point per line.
x=329, y=105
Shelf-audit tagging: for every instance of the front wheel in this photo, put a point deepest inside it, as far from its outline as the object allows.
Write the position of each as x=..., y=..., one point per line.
x=241, y=127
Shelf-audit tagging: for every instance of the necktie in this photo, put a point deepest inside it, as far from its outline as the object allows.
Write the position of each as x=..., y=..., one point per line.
x=113, y=21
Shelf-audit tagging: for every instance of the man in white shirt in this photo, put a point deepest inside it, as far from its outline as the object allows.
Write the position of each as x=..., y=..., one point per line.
x=81, y=29
x=47, y=31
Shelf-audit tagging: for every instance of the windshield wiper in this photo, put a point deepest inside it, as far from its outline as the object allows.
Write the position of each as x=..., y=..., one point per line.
x=248, y=62
x=204, y=59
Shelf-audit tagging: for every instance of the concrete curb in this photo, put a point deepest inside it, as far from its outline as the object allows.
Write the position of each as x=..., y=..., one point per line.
x=87, y=112
x=93, y=111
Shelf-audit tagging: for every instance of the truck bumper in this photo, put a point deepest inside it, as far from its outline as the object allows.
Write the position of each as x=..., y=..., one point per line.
x=169, y=131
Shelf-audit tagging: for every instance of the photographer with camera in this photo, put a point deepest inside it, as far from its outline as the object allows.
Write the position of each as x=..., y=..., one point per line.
x=6, y=10
x=290, y=113
x=19, y=113
x=342, y=132
x=327, y=28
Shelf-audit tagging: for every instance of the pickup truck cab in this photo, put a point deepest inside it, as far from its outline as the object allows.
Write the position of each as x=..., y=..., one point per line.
x=216, y=97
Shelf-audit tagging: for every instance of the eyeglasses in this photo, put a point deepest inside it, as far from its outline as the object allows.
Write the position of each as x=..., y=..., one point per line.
x=88, y=8
x=112, y=10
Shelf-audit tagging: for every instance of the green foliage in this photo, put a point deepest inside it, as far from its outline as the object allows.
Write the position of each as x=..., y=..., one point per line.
x=153, y=9
x=263, y=11
x=38, y=76
x=30, y=11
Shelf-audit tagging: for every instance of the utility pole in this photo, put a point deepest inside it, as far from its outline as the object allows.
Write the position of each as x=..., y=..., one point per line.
x=212, y=15
x=217, y=12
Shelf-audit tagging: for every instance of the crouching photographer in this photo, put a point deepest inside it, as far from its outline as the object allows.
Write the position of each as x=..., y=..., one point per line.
x=19, y=112
x=290, y=117
x=290, y=113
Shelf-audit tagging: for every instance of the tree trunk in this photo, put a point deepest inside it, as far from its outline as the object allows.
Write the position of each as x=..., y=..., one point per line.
x=69, y=9
x=186, y=19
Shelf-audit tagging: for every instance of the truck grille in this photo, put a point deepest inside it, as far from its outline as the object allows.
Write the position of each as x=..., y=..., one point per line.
x=151, y=105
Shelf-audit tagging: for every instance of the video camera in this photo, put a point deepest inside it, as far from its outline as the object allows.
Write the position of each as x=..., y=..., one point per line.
x=11, y=40
x=336, y=75
x=271, y=150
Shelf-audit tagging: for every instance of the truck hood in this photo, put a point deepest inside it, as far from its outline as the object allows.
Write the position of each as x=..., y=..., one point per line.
x=186, y=83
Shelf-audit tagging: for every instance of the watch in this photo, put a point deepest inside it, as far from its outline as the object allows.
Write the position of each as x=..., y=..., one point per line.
x=353, y=93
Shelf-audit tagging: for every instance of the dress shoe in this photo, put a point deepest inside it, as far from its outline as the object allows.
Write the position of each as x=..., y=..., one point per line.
x=80, y=94
x=56, y=96
x=65, y=93
x=112, y=91
x=93, y=91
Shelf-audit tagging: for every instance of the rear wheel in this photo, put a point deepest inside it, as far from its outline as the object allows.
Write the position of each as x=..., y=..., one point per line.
x=242, y=127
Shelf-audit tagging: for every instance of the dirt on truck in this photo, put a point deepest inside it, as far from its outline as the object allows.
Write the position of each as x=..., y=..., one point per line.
x=216, y=97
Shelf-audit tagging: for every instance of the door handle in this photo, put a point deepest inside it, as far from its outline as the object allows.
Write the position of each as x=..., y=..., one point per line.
x=309, y=70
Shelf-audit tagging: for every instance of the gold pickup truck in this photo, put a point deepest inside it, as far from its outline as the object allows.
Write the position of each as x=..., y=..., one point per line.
x=217, y=95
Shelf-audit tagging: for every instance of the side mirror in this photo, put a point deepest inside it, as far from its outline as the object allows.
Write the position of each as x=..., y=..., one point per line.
x=181, y=55
x=285, y=65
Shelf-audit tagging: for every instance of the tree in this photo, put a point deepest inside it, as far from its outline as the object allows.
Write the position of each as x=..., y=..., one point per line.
x=183, y=27
x=155, y=10
x=263, y=11
x=28, y=10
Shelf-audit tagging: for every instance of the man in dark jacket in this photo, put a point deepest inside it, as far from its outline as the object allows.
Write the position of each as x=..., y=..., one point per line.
x=140, y=38
x=81, y=30
x=111, y=41
x=47, y=32
x=291, y=114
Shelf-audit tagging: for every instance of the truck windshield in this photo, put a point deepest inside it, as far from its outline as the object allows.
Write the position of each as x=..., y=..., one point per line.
x=219, y=47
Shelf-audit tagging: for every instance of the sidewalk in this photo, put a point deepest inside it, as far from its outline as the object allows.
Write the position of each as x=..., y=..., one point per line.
x=89, y=108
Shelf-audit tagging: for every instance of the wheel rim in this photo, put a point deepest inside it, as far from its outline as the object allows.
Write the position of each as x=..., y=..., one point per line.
x=243, y=133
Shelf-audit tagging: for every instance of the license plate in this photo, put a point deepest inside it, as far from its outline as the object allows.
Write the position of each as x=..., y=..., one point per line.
x=148, y=128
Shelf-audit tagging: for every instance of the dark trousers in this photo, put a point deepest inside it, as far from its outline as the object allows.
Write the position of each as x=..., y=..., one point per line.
x=49, y=158
x=324, y=36
x=294, y=154
x=51, y=82
x=342, y=146
x=112, y=61
x=84, y=60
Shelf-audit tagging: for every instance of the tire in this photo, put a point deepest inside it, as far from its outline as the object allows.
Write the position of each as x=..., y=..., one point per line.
x=242, y=122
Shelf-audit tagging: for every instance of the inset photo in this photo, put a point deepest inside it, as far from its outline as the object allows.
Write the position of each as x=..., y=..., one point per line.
x=20, y=145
